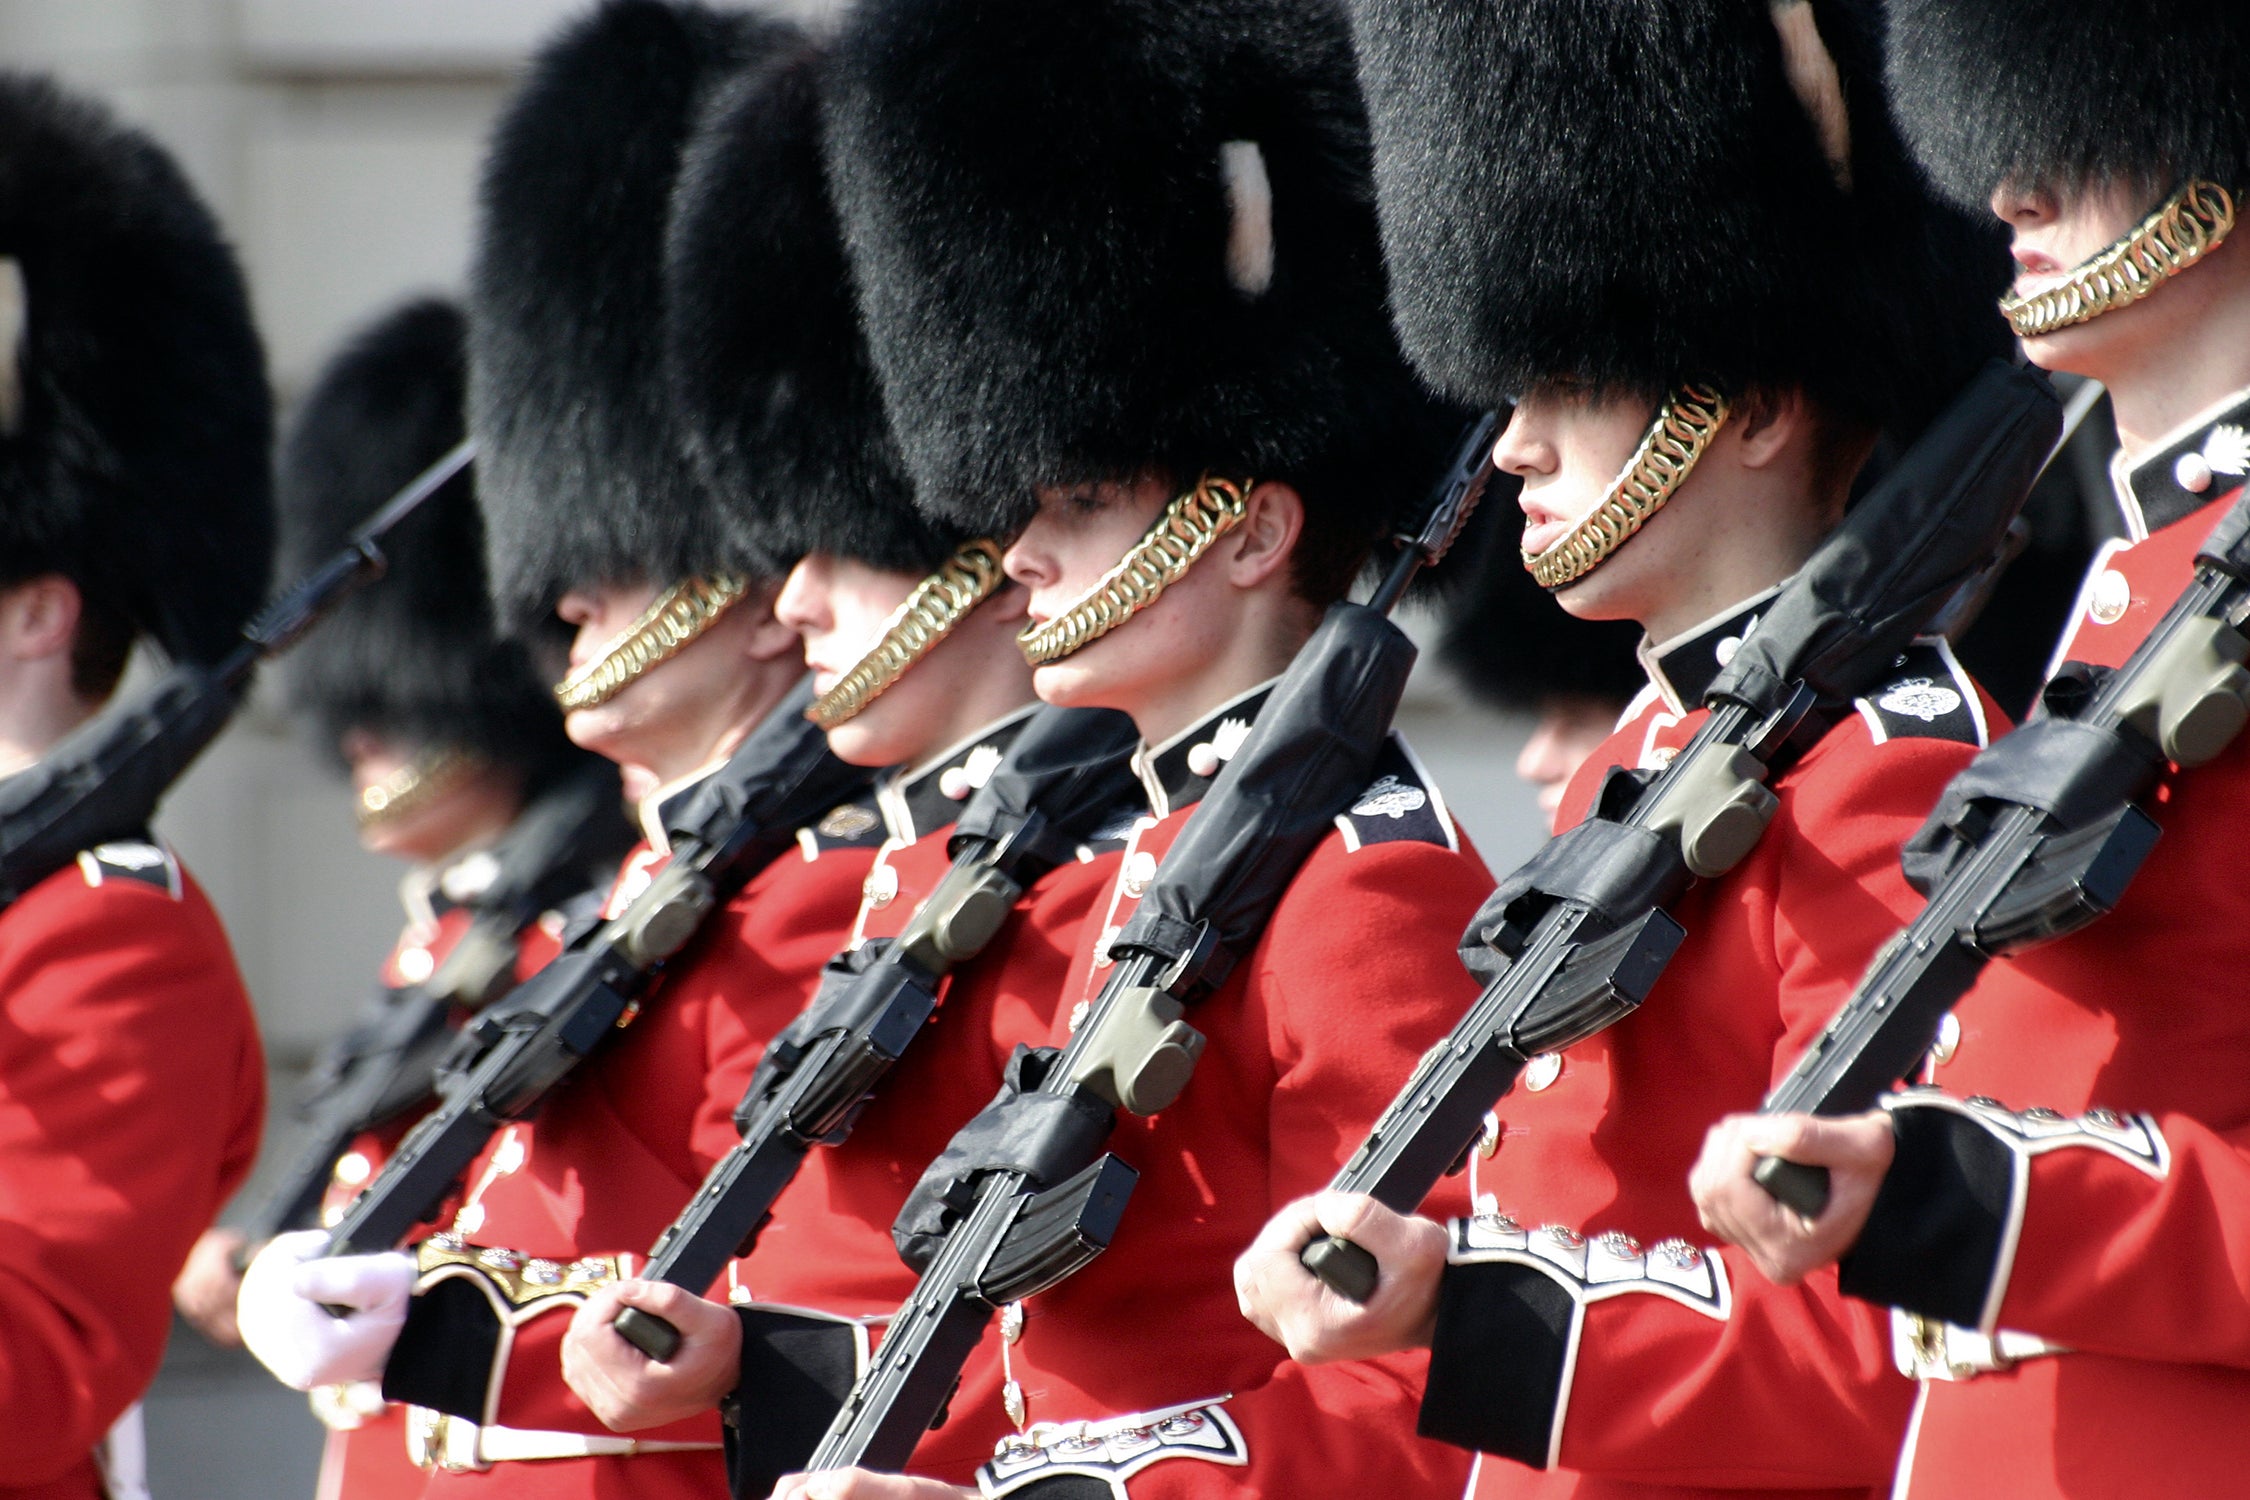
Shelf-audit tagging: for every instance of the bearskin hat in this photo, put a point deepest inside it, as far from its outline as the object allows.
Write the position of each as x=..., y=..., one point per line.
x=414, y=655
x=135, y=422
x=1630, y=194
x=1507, y=639
x=1098, y=240
x=777, y=401
x=579, y=466
x=2065, y=91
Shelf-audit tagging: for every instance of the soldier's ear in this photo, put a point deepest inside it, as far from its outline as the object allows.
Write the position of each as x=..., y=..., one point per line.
x=39, y=617
x=1260, y=547
x=1769, y=424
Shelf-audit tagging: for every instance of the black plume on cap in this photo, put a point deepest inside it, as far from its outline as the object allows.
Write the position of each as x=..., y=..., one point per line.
x=1100, y=239
x=1630, y=194
x=414, y=655
x=1512, y=644
x=135, y=422
x=579, y=466
x=2060, y=92
x=778, y=403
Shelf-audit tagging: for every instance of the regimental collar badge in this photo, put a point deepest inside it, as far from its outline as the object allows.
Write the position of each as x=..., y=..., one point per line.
x=2206, y=460
x=1684, y=667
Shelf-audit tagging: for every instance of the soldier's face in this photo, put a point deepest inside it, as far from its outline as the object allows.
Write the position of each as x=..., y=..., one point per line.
x=2056, y=230
x=1078, y=535
x=466, y=810
x=840, y=609
x=1568, y=444
x=686, y=711
x=1568, y=730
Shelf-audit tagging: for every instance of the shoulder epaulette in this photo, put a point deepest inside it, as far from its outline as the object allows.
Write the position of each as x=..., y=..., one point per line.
x=1927, y=696
x=135, y=860
x=1400, y=804
x=857, y=824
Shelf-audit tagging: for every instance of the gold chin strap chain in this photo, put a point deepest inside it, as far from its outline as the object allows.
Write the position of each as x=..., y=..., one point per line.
x=2190, y=224
x=938, y=603
x=412, y=785
x=1684, y=427
x=680, y=614
x=1186, y=530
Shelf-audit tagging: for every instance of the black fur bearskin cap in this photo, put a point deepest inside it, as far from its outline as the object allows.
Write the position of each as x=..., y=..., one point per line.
x=1507, y=639
x=579, y=465
x=1629, y=194
x=136, y=427
x=2068, y=91
x=769, y=372
x=1115, y=237
x=413, y=656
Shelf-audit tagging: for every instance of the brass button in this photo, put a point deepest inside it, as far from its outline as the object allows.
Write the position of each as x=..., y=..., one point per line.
x=881, y=887
x=1140, y=870
x=1541, y=1072
x=415, y=964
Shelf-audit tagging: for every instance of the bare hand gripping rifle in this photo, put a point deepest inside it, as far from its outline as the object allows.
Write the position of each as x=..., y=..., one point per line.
x=2035, y=838
x=722, y=834
x=1028, y=1196
x=387, y=1066
x=104, y=781
x=1065, y=776
x=1573, y=941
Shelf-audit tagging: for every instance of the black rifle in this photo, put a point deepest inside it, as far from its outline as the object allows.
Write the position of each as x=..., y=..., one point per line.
x=1021, y=1229
x=723, y=833
x=2036, y=837
x=569, y=837
x=1065, y=776
x=1573, y=941
x=104, y=781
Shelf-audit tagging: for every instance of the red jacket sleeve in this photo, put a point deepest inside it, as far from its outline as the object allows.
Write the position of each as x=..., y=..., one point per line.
x=131, y=1093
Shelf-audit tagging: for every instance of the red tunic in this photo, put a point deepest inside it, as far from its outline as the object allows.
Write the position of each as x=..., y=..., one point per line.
x=2127, y=1239
x=614, y=1154
x=1663, y=1367
x=1353, y=978
x=131, y=1093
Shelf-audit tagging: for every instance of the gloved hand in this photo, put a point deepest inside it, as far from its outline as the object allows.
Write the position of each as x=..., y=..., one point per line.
x=285, y=1323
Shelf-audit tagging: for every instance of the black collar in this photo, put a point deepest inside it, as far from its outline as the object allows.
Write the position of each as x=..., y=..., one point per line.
x=1684, y=667
x=919, y=802
x=1178, y=772
x=2202, y=460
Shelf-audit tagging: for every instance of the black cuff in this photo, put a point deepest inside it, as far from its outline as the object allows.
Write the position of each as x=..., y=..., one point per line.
x=1933, y=1241
x=1496, y=1363
x=445, y=1355
x=798, y=1370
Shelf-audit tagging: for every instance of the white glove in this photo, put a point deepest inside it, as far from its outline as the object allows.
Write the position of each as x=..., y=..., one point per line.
x=285, y=1323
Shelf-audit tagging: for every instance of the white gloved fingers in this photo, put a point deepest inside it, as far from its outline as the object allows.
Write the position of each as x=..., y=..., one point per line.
x=304, y=1344
x=369, y=1283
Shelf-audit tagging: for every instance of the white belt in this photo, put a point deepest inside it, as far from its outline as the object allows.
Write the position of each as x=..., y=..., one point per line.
x=435, y=1440
x=1930, y=1350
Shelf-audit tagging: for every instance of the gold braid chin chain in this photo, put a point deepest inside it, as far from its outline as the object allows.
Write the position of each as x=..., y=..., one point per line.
x=680, y=614
x=413, y=785
x=1684, y=427
x=1186, y=530
x=938, y=603
x=2189, y=225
